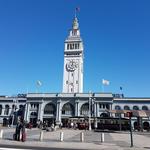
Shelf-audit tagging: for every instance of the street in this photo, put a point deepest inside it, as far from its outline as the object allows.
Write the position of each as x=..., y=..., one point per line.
x=72, y=140
x=15, y=147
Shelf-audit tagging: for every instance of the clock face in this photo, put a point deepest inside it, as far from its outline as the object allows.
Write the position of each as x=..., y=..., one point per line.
x=71, y=65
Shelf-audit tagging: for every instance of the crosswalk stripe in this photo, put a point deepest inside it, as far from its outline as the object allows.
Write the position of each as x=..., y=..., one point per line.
x=3, y=148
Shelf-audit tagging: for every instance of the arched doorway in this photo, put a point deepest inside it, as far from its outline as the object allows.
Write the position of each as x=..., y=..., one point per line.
x=84, y=109
x=136, y=127
x=5, y=122
x=0, y=109
x=146, y=126
x=33, y=118
x=6, y=112
x=104, y=115
x=117, y=107
x=49, y=114
x=67, y=111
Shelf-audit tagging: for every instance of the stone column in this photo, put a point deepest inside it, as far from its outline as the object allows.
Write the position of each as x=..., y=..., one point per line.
x=77, y=108
x=97, y=109
x=58, y=115
x=42, y=112
x=10, y=110
x=27, y=112
x=3, y=110
x=132, y=124
x=39, y=111
x=110, y=108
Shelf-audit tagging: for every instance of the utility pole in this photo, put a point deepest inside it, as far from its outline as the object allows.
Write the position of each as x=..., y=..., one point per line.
x=129, y=114
x=89, y=110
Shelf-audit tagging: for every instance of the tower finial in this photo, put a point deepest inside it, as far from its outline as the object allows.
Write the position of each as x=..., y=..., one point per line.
x=77, y=9
x=75, y=24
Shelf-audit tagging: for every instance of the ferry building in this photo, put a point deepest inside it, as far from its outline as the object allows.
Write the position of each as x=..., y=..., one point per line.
x=73, y=104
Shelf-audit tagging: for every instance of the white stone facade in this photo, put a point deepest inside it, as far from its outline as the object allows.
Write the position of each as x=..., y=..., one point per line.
x=73, y=61
x=72, y=102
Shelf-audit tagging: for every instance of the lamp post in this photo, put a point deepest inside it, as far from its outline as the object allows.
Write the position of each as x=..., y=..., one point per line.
x=14, y=112
x=89, y=110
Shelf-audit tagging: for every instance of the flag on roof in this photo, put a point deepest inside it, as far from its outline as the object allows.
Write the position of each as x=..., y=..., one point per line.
x=105, y=82
x=77, y=9
x=39, y=83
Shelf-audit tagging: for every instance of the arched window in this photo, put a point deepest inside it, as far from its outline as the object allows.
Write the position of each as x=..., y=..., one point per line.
x=0, y=109
x=107, y=106
x=126, y=107
x=67, y=46
x=67, y=109
x=85, y=109
x=50, y=109
x=144, y=108
x=75, y=45
x=6, y=112
x=78, y=45
x=117, y=107
x=135, y=108
x=71, y=46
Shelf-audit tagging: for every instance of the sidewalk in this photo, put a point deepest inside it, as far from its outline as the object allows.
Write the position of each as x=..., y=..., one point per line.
x=113, y=141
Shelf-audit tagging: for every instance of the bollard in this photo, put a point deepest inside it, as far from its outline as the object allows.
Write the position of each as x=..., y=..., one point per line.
x=61, y=136
x=81, y=137
x=1, y=134
x=102, y=137
x=41, y=136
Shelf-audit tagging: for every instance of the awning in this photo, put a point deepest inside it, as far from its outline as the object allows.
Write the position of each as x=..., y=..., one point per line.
x=136, y=113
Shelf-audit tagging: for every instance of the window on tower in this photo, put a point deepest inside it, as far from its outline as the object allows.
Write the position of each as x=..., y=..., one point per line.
x=67, y=46
x=66, y=82
x=75, y=46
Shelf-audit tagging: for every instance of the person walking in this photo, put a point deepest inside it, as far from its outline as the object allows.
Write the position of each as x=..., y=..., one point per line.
x=17, y=132
x=23, y=132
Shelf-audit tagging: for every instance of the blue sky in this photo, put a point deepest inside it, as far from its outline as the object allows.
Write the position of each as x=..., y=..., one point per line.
x=116, y=37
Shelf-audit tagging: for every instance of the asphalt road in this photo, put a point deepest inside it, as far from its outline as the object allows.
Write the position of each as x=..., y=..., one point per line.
x=15, y=147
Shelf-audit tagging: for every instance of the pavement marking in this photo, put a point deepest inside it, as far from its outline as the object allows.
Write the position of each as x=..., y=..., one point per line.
x=13, y=149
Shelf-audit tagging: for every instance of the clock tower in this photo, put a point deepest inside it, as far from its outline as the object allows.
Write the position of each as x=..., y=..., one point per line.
x=73, y=61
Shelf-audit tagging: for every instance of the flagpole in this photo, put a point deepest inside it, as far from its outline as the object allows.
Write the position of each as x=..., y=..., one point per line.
x=38, y=84
x=75, y=13
x=27, y=90
x=103, y=88
x=121, y=93
x=37, y=89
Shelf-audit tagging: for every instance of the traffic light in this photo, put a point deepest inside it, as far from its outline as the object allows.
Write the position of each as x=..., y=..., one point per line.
x=129, y=114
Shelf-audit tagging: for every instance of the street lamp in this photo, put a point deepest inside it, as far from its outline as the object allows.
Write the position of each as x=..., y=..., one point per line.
x=14, y=112
x=89, y=110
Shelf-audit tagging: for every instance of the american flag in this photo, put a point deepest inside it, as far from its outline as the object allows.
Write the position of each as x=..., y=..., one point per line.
x=77, y=9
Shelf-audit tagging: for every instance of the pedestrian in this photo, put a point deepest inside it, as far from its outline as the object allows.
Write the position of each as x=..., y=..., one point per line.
x=71, y=124
x=41, y=125
x=60, y=125
x=17, y=132
x=23, y=132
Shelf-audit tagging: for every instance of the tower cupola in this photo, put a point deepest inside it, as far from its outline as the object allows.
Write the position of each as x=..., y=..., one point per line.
x=75, y=24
